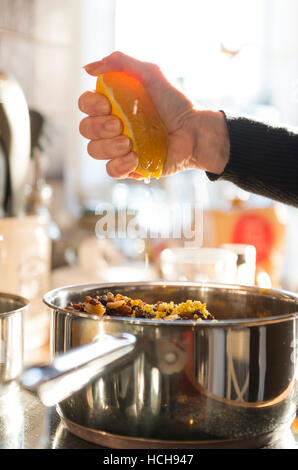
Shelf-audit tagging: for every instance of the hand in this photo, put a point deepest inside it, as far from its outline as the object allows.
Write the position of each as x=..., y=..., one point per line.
x=197, y=139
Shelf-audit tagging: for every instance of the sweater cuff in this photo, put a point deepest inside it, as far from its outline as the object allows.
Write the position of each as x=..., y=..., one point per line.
x=263, y=159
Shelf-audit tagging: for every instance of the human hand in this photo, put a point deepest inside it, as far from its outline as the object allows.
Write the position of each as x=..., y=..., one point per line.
x=196, y=139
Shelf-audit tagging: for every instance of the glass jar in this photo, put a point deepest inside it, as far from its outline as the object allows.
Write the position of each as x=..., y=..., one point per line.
x=198, y=264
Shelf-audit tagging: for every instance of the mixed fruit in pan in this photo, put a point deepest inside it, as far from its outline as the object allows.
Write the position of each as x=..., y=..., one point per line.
x=122, y=306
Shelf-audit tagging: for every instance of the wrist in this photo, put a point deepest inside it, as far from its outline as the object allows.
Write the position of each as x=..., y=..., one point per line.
x=211, y=141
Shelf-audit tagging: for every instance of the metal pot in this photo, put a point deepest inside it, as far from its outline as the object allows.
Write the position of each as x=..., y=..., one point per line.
x=229, y=382
x=12, y=309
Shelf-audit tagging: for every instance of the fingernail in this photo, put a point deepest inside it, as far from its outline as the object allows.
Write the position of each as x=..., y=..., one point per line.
x=113, y=125
x=123, y=144
x=129, y=160
x=89, y=66
x=102, y=108
x=93, y=68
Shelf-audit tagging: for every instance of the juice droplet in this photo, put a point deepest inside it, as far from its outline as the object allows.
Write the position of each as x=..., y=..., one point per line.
x=147, y=180
x=146, y=261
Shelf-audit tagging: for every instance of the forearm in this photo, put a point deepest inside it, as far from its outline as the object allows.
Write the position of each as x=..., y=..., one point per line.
x=263, y=159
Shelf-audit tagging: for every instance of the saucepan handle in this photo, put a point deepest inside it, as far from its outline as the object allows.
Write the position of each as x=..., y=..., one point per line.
x=76, y=368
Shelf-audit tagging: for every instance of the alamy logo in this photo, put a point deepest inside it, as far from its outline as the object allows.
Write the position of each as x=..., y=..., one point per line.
x=177, y=221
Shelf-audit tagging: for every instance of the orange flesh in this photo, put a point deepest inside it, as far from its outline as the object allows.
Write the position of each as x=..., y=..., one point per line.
x=295, y=425
x=141, y=122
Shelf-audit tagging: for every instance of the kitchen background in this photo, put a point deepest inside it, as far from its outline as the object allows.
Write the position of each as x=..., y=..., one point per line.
x=240, y=56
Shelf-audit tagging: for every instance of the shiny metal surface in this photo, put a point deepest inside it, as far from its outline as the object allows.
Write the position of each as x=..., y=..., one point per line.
x=73, y=370
x=113, y=441
x=15, y=137
x=26, y=424
x=12, y=309
x=229, y=379
x=2, y=180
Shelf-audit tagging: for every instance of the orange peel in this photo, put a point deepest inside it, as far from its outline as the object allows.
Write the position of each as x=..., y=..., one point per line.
x=132, y=103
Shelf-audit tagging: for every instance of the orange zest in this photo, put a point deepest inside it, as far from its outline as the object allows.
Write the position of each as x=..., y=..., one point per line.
x=141, y=123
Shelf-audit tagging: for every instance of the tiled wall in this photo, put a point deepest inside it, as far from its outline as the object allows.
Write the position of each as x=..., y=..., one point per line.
x=36, y=47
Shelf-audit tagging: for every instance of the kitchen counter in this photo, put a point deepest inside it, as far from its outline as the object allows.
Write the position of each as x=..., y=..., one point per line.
x=26, y=424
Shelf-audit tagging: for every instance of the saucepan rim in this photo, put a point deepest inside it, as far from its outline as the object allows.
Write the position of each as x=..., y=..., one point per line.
x=277, y=293
x=24, y=303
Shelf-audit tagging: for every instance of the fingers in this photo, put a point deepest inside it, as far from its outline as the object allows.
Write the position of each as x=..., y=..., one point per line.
x=104, y=149
x=104, y=131
x=100, y=127
x=121, y=167
x=94, y=104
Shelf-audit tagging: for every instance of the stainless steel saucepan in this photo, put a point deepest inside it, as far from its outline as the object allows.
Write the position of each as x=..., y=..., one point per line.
x=12, y=310
x=141, y=383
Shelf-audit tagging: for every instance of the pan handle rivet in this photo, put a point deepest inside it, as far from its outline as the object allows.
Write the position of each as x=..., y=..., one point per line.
x=171, y=357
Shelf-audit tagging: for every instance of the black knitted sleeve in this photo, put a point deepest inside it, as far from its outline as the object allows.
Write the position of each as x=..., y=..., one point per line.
x=263, y=159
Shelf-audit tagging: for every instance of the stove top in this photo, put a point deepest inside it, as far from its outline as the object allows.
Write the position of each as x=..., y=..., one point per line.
x=26, y=424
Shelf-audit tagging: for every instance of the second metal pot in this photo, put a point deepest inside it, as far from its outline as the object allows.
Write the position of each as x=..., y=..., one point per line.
x=12, y=309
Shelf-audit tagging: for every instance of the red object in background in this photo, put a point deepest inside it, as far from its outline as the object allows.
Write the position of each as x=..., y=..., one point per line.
x=252, y=229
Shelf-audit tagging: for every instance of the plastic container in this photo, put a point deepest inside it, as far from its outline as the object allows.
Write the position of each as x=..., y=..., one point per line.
x=198, y=264
x=25, y=261
x=246, y=262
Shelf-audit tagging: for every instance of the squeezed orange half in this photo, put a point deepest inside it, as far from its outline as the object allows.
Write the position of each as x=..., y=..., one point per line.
x=141, y=123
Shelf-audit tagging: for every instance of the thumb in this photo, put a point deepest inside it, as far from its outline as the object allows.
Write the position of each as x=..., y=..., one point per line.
x=117, y=62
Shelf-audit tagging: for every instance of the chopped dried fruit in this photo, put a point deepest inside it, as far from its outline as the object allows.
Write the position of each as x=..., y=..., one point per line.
x=120, y=305
x=95, y=309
